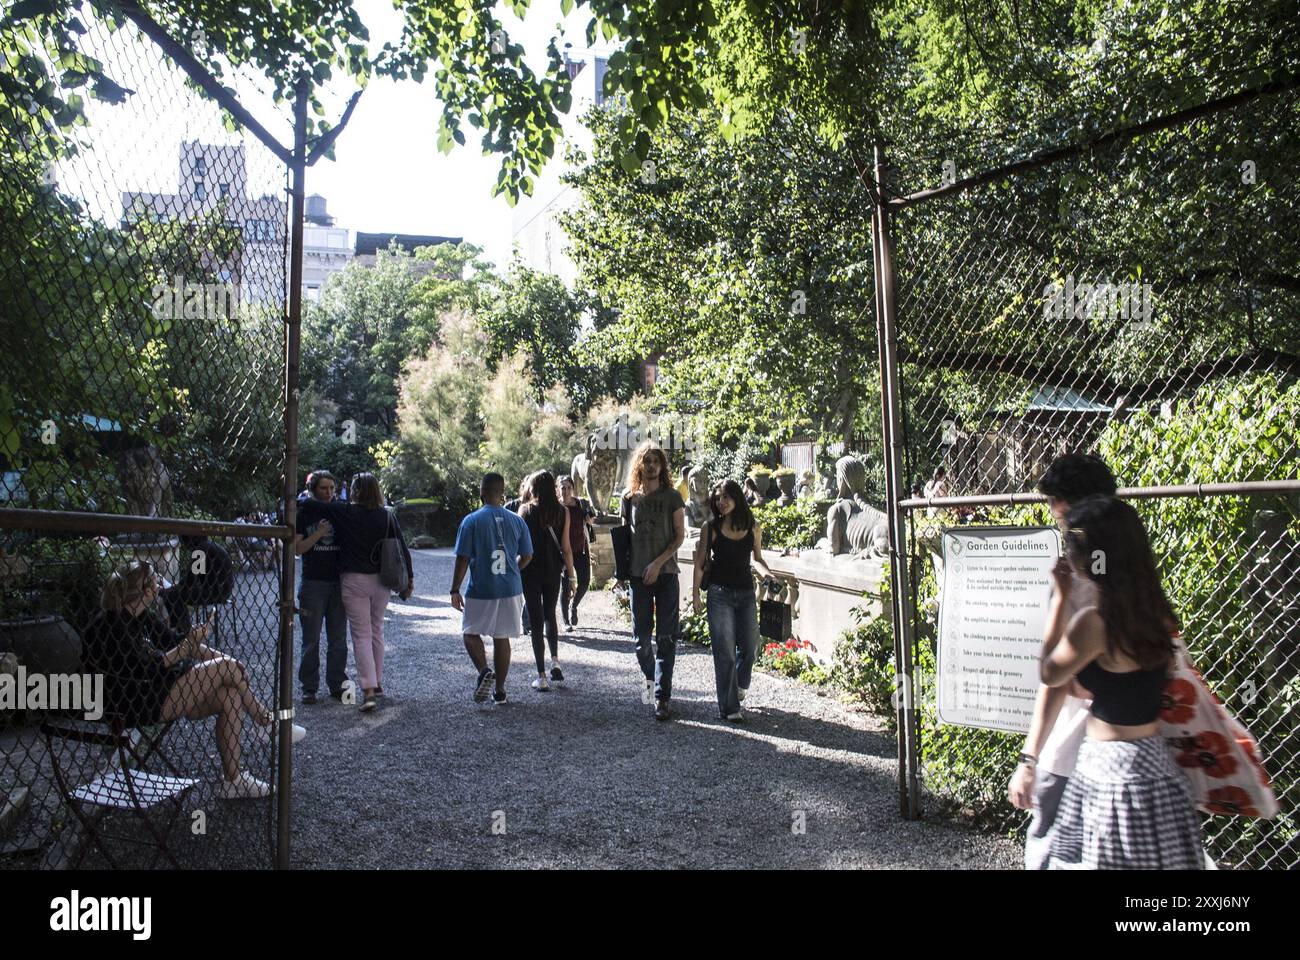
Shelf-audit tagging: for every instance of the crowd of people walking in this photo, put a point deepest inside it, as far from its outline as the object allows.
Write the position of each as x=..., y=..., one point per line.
x=1095, y=771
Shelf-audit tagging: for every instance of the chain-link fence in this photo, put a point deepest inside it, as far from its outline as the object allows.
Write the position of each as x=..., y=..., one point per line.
x=143, y=279
x=1141, y=300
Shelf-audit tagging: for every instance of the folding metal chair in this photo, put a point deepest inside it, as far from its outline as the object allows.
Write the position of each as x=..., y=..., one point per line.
x=125, y=786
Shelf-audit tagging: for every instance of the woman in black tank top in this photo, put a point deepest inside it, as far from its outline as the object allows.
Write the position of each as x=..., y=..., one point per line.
x=728, y=541
x=1127, y=806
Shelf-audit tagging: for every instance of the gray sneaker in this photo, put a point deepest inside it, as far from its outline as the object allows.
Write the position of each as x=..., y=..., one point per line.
x=485, y=681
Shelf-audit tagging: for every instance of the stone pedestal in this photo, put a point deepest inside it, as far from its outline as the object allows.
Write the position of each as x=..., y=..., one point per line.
x=823, y=589
x=602, y=552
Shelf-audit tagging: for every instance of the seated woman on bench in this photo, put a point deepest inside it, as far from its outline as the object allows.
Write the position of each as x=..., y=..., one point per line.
x=154, y=674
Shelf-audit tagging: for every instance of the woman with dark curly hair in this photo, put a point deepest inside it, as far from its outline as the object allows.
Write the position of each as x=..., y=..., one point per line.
x=1127, y=805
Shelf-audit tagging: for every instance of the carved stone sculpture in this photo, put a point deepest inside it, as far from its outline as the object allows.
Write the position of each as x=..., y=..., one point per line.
x=697, y=507
x=853, y=526
x=145, y=482
x=605, y=467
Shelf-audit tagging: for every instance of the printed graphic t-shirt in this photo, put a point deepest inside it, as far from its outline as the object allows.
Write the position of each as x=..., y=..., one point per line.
x=492, y=539
x=321, y=562
x=652, y=527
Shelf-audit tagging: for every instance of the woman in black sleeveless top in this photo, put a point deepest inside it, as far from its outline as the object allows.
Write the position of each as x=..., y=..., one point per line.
x=1126, y=806
x=548, y=525
x=727, y=544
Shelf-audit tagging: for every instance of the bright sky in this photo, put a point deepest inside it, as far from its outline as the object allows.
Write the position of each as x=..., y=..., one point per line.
x=388, y=174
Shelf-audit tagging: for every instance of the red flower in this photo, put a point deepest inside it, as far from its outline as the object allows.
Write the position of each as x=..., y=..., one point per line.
x=1232, y=801
x=1209, y=751
x=1178, y=702
x=781, y=653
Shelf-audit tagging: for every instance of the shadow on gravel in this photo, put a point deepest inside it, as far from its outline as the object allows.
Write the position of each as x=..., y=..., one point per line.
x=820, y=732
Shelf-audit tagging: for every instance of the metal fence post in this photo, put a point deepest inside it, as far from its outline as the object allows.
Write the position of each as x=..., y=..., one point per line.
x=895, y=491
x=293, y=328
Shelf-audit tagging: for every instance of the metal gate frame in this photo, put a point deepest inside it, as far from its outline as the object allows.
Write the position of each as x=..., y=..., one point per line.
x=296, y=159
x=900, y=506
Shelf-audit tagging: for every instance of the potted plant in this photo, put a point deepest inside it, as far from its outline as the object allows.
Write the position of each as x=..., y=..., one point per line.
x=785, y=478
x=762, y=478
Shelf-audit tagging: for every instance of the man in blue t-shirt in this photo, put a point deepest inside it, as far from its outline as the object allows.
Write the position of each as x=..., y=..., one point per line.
x=492, y=546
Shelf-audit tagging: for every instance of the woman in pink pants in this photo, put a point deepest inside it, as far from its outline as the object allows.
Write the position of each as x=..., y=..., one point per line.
x=360, y=524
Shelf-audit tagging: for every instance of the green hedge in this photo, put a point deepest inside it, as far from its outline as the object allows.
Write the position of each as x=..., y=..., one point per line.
x=798, y=526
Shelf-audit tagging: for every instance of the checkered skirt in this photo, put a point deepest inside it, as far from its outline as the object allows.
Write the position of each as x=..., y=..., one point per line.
x=1126, y=807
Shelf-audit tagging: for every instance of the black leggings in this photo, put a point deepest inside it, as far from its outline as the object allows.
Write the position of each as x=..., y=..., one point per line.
x=541, y=592
x=582, y=567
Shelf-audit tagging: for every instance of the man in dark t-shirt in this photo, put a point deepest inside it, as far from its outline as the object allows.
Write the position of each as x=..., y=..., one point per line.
x=207, y=580
x=320, y=598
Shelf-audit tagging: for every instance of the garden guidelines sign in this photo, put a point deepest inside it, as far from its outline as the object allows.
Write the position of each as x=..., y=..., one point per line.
x=997, y=586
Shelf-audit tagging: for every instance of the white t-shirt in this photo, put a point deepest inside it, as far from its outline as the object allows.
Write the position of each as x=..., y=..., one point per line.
x=1061, y=749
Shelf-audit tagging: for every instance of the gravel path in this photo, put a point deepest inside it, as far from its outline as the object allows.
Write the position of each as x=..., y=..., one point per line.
x=584, y=777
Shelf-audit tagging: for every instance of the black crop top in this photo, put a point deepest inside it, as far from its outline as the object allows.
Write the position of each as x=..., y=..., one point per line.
x=1126, y=699
x=729, y=559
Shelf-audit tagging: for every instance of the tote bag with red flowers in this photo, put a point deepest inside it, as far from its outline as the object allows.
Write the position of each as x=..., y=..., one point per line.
x=1217, y=754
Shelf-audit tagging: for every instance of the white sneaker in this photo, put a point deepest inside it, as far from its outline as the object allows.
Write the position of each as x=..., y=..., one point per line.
x=648, y=693
x=245, y=787
x=264, y=733
x=541, y=684
x=741, y=692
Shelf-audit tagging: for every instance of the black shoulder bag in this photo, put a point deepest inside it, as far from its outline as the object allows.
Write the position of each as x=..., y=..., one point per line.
x=621, y=539
x=387, y=554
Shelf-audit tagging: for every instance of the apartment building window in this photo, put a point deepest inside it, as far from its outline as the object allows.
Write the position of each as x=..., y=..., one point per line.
x=260, y=231
x=200, y=191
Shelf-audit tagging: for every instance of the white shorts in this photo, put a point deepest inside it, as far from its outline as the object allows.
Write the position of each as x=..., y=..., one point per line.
x=497, y=617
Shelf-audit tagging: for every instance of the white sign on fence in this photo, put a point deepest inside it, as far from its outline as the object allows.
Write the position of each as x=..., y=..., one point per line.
x=997, y=586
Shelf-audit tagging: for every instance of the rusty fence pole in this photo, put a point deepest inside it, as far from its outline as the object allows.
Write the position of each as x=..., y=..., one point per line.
x=891, y=427
x=292, y=345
